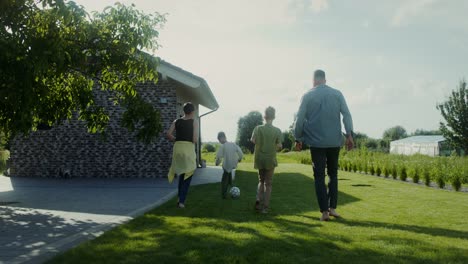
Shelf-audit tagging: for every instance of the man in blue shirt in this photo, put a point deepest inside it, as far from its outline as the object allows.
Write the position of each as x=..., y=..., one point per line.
x=318, y=125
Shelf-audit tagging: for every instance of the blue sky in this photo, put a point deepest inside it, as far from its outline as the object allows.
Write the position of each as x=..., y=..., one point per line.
x=392, y=59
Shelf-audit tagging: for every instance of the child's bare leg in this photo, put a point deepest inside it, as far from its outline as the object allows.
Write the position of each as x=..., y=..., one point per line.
x=260, y=189
x=268, y=177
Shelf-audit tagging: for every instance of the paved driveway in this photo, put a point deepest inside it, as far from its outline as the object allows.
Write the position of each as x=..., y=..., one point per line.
x=40, y=217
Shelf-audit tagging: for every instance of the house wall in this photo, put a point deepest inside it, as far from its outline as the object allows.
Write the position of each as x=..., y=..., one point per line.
x=69, y=151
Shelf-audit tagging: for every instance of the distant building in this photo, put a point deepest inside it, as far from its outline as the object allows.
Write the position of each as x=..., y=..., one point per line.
x=68, y=150
x=426, y=145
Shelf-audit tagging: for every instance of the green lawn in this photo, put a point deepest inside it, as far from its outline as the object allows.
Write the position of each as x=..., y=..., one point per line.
x=385, y=221
x=289, y=157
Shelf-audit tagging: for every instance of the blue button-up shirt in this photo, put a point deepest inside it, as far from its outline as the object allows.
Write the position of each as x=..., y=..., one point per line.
x=318, y=120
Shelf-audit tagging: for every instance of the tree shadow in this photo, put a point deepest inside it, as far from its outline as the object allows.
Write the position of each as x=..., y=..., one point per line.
x=292, y=194
x=154, y=238
x=432, y=231
x=212, y=230
x=92, y=196
x=24, y=230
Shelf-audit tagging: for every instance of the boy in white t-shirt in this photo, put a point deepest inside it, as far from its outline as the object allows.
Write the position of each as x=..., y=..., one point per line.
x=230, y=154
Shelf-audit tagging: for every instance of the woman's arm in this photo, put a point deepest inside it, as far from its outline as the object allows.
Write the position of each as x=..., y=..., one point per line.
x=195, y=131
x=170, y=132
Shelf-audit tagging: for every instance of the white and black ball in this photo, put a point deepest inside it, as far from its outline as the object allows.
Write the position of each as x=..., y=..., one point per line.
x=235, y=192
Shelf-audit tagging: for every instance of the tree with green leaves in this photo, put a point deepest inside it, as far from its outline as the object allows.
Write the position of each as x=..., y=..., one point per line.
x=423, y=132
x=372, y=144
x=245, y=127
x=55, y=56
x=384, y=145
x=455, y=113
x=208, y=147
x=3, y=141
x=288, y=140
x=360, y=139
x=394, y=133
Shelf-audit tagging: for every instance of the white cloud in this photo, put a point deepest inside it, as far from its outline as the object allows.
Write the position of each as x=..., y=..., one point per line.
x=259, y=53
x=299, y=8
x=410, y=9
x=411, y=92
x=215, y=14
x=318, y=6
x=366, y=23
x=379, y=60
x=371, y=95
x=428, y=90
x=223, y=15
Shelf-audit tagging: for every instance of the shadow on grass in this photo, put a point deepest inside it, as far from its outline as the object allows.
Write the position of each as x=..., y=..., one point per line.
x=212, y=230
x=154, y=240
x=432, y=231
x=292, y=194
x=25, y=230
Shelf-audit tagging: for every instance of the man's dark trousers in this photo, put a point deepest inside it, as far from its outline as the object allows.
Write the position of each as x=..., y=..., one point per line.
x=326, y=158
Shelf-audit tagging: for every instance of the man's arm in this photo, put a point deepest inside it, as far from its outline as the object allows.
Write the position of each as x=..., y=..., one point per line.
x=300, y=119
x=299, y=124
x=347, y=119
x=348, y=122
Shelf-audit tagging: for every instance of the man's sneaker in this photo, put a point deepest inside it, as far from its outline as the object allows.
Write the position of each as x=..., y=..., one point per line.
x=265, y=210
x=333, y=213
x=258, y=206
x=325, y=217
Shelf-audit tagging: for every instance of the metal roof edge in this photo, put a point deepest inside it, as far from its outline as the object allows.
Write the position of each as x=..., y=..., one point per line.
x=421, y=139
x=187, y=78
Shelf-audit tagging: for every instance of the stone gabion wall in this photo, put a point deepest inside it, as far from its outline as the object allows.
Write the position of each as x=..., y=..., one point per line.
x=69, y=151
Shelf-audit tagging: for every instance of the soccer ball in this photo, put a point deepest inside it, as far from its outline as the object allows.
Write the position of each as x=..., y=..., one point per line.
x=235, y=192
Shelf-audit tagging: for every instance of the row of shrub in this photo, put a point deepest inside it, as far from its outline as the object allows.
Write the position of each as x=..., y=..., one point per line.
x=418, y=168
x=441, y=170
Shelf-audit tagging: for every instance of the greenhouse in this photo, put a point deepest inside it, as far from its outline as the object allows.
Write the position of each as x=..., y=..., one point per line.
x=426, y=145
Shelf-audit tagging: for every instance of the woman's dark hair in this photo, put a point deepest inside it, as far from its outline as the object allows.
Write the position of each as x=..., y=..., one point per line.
x=188, y=108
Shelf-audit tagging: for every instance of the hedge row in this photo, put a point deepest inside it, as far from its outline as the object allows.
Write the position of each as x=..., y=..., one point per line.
x=441, y=170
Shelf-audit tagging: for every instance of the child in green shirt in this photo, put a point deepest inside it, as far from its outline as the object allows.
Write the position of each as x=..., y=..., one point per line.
x=267, y=140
